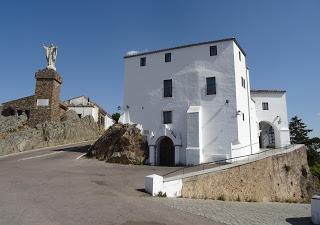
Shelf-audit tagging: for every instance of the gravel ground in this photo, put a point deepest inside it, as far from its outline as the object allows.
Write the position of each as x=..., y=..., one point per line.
x=243, y=213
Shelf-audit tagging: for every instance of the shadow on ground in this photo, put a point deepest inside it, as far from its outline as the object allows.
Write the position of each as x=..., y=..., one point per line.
x=299, y=221
x=81, y=149
x=142, y=190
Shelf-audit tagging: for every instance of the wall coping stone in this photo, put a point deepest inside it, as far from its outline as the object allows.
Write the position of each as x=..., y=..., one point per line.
x=244, y=161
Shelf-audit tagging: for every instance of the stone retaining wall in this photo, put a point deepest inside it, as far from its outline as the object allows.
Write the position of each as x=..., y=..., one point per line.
x=284, y=177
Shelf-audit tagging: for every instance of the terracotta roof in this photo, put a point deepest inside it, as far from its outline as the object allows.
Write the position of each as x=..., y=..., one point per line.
x=268, y=91
x=186, y=46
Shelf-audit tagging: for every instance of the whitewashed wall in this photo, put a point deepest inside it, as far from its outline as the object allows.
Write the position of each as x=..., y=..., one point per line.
x=188, y=69
x=241, y=145
x=108, y=122
x=276, y=115
x=79, y=101
x=84, y=111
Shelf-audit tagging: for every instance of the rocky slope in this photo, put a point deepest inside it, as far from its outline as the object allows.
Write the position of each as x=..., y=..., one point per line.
x=121, y=143
x=16, y=135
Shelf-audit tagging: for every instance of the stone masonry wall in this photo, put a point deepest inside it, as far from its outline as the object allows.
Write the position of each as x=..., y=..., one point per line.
x=26, y=103
x=283, y=177
x=48, y=84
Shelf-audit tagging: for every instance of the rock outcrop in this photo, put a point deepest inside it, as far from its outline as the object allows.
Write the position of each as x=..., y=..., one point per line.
x=17, y=136
x=12, y=123
x=121, y=143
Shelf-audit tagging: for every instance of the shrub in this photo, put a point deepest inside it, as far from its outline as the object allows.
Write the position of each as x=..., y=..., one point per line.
x=315, y=170
x=116, y=117
x=161, y=194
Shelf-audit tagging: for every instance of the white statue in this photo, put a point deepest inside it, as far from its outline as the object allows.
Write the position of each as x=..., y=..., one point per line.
x=51, y=56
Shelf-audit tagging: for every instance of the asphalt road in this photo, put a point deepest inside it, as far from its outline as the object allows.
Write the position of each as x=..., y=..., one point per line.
x=52, y=187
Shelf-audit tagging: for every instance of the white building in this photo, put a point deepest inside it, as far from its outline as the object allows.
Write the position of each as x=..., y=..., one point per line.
x=194, y=104
x=272, y=117
x=83, y=107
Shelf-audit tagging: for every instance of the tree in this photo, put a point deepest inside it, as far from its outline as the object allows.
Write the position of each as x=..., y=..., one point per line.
x=299, y=135
x=116, y=117
x=313, y=145
x=298, y=131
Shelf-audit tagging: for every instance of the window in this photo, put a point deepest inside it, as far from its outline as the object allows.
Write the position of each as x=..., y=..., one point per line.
x=239, y=56
x=243, y=116
x=211, y=85
x=243, y=82
x=143, y=61
x=167, y=57
x=102, y=121
x=265, y=106
x=213, y=50
x=167, y=88
x=271, y=135
x=167, y=117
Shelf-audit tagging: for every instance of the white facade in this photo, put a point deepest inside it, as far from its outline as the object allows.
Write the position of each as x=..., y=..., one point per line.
x=204, y=127
x=274, y=116
x=84, y=107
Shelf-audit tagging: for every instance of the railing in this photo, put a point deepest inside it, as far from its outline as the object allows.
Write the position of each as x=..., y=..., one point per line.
x=222, y=162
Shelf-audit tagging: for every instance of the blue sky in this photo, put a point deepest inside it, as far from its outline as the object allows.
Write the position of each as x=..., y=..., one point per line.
x=281, y=39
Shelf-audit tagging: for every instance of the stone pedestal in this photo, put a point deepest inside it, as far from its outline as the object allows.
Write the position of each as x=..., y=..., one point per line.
x=47, y=97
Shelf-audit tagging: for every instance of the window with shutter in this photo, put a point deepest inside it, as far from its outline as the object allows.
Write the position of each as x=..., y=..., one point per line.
x=143, y=61
x=167, y=117
x=265, y=106
x=167, y=57
x=211, y=85
x=167, y=88
x=213, y=50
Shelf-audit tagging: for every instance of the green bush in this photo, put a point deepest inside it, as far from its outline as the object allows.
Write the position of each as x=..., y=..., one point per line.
x=315, y=170
x=161, y=194
x=116, y=117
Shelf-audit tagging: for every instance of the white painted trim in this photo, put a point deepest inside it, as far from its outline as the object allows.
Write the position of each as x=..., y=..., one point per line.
x=80, y=156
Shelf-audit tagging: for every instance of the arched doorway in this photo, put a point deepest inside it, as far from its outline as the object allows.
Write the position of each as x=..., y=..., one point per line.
x=267, y=135
x=166, y=151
